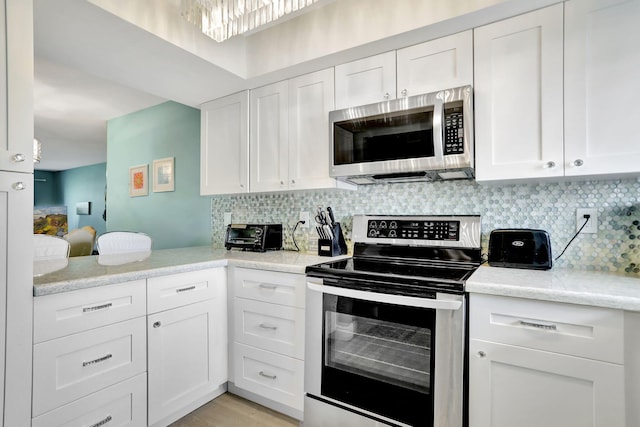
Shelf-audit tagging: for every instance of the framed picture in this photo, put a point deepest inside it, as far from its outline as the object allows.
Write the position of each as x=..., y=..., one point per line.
x=138, y=181
x=163, y=175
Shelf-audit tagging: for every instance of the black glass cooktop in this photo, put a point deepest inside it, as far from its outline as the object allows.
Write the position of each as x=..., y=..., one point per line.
x=412, y=271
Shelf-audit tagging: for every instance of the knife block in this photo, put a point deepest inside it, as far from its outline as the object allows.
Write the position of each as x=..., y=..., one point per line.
x=333, y=247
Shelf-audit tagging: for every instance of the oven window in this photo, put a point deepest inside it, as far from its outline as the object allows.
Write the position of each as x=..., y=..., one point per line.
x=379, y=357
x=382, y=138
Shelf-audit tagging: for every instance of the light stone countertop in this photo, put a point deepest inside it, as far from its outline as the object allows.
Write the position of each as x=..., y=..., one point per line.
x=594, y=288
x=85, y=272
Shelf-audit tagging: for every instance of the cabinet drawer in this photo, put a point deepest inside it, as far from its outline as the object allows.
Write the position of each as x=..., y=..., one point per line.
x=66, y=313
x=269, y=326
x=276, y=377
x=270, y=286
x=74, y=366
x=176, y=290
x=122, y=405
x=591, y=332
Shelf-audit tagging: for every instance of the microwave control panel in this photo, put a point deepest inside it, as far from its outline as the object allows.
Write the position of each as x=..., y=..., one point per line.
x=423, y=230
x=453, y=130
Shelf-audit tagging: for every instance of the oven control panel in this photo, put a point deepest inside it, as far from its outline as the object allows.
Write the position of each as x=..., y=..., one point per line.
x=413, y=229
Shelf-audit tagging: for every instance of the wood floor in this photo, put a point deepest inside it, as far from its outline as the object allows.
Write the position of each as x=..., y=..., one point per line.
x=229, y=410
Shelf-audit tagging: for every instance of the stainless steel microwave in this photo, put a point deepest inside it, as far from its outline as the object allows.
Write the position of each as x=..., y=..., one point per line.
x=417, y=138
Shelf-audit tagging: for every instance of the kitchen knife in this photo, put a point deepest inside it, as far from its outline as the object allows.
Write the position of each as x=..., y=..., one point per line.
x=331, y=217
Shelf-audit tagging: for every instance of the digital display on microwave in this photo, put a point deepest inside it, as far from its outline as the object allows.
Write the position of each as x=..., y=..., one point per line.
x=384, y=137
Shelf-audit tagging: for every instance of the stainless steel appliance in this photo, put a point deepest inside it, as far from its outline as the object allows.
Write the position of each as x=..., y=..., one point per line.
x=254, y=237
x=385, y=329
x=417, y=138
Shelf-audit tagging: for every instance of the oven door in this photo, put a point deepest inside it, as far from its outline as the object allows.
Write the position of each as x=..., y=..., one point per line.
x=393, y=359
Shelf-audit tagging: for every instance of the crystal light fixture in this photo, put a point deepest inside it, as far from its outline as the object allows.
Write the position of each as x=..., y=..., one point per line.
x=221, y=19
x=37, y=151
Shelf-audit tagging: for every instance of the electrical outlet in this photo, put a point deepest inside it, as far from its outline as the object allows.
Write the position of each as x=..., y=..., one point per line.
x=227, y=218
x=592, y=224
x=304, y=216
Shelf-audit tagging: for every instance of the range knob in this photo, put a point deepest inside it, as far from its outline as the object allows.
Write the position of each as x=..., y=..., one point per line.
x=393, y=225
x=373, y=233
x=373, y=224
x=392, y=233
x=383, y=224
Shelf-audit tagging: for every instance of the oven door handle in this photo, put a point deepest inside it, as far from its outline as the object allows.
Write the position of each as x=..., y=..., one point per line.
x=437, y=304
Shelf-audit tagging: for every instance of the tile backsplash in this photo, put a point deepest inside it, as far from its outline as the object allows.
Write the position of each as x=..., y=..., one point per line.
x=548, y=206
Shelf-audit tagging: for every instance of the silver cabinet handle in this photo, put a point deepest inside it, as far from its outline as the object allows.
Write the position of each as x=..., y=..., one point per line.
x=267, y=326
x=404, y=92
x=241, y=185
x=19, y=186
x=578, y=162
x=102, y=422
x=18, y=158
x=550, y=165
x=98, y=360
x=270, y=376
x=188, y=288
x=267, y=286
x=539, y=325
x=481, y=354
x=293, y=181
x=97, y=307
x=157, y=324
x=387, y=95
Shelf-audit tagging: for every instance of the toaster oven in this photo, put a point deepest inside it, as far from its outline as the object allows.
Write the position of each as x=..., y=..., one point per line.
x=254, y=237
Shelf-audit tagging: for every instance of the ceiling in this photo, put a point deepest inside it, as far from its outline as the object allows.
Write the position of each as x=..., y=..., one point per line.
x=91, y=66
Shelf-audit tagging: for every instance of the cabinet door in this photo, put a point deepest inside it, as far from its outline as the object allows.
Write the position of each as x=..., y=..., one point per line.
x=366, y=81
x=187, y=356
x=310, y=100
x=513, y=386
x=601, y=86
x=518, y=96
x=435, y=65
x=268, y=138
x=16, y=295
x=224, y=145
x=16, y=87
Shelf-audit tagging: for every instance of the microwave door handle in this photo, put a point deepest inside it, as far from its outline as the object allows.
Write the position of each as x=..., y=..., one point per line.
x=386, y=298
x=438, y=118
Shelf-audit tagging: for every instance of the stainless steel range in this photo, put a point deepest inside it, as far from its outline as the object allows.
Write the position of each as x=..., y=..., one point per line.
x=385, y=330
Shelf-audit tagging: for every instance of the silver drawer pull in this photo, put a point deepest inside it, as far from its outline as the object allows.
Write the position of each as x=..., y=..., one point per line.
x=270, y=376
x=267, y=286
x=539, y=326
x=267, y=326
x=97, y=307
x=101, y=359
x=103, y=422
x=189, y=288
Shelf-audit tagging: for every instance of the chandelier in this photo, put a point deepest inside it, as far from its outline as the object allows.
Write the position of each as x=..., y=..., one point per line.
x=221, y=19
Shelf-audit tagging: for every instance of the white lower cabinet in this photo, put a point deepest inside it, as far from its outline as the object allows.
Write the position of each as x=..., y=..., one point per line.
x=89, y=357
x=536, y=363
x=267, y=338
x=187, y=343
x=135, y=354
x=123, y=404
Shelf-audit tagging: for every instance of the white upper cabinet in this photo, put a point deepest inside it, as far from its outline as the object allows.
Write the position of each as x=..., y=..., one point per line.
x=518, y=96
x=435, y=65
x=310, y=100
x=16, y=87
x=224, y=145
x=602, y=60
x=289, y=134
x=268, y=138
x=366, y=81
x=426, y=67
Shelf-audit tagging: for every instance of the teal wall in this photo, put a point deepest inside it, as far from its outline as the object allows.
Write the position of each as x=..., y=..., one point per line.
x=84, y=184
x=180, y=218
x=46, y=189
